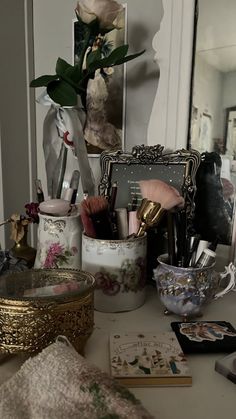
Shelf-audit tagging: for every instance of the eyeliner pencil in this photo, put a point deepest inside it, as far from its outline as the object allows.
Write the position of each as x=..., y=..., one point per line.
x=112, y=200
x=171, y=238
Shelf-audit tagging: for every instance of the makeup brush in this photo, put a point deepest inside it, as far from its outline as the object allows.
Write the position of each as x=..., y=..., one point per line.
x=87, y=223
x=158, y=191
x=146, y=214
x=95, y=217
x=163, y=194
x=158, y=198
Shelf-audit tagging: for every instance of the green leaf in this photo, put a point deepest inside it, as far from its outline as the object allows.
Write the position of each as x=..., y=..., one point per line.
x=68, y=73
x=43, y=80
x=93, y=57
x=118, y=53
x=73, y=73
x=129, y=58
x=62, y=66
x=117, y=56
x=62, y=93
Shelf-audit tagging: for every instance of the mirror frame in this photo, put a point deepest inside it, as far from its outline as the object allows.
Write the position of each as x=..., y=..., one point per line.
x=195, y=21
x=154, y=157
x=230, y=254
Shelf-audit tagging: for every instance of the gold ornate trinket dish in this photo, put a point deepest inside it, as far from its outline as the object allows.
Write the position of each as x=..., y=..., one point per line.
x=38, y=305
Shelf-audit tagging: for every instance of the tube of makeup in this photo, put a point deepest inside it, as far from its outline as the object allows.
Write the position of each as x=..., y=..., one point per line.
x=134, y=223
x=122, y=223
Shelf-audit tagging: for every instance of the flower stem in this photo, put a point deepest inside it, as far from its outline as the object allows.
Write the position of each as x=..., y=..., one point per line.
x=84, y=49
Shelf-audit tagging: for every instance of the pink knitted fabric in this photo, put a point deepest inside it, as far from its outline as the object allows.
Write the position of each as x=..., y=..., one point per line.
x=59, y=383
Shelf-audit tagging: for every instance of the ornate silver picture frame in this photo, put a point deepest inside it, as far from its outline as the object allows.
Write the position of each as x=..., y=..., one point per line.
x=177, y=168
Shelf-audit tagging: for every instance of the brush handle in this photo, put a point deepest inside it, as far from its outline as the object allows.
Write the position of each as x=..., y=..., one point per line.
x=171, y=238
x=122, y=223
x=181, y=229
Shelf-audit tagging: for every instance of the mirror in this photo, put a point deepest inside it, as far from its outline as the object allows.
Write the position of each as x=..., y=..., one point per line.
x=212, y=125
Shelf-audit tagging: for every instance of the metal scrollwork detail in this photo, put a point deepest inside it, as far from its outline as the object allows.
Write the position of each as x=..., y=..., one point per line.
x=147, y=154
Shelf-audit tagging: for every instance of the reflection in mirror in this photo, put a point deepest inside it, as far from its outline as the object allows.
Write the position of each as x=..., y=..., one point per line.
x=213, y=96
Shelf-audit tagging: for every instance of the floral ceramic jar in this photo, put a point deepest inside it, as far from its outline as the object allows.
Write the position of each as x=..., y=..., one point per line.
x=119, y=267
x=59, y=242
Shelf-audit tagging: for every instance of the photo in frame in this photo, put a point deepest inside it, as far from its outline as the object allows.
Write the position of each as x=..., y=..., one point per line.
x=105, y=127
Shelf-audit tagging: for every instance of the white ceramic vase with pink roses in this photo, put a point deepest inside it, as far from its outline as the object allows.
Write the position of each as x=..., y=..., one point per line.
x=59, y=242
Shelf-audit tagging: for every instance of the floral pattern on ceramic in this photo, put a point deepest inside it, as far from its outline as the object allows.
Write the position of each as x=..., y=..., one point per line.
x=119, y=267
x=130, y=277
x=59, y=242
x=56, y=255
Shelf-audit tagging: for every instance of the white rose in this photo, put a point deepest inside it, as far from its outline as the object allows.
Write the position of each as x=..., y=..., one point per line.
x=107, y=11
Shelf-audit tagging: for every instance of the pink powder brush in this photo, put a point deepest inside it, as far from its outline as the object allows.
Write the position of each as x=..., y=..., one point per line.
x=158, y=191
x=95, y=217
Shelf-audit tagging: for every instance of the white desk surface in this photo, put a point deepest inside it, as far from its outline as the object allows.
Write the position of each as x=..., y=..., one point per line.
x=212, y=396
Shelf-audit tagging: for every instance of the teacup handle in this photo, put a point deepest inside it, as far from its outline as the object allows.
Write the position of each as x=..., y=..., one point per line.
x=231, y=286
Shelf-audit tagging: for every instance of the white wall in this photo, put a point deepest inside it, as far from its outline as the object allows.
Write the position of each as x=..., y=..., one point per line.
x=18, y=158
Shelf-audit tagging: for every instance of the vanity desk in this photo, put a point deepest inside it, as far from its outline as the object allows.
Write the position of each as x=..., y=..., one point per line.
x=211, y=395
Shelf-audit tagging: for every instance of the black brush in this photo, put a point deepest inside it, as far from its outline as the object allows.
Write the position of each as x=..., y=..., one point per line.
x=98, y=211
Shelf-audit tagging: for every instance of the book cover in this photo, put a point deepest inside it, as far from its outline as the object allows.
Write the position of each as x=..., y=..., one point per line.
x=148, y=359
x=205, y=336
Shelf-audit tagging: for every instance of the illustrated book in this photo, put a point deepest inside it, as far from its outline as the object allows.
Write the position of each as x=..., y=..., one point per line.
x=205, y=336
x=148, y=359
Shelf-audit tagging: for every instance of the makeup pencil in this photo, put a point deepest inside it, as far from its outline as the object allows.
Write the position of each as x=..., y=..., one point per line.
x=74, y=184
x=39, y=190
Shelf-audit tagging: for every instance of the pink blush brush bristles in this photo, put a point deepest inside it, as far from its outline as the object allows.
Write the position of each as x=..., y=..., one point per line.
x=158, y=191
x=95, y=217
x=86, y=220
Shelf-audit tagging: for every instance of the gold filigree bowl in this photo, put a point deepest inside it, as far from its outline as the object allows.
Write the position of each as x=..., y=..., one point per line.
x=37, y=305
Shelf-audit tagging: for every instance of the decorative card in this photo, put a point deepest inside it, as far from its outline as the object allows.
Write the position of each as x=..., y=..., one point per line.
x=148, y=359
x=205, y=336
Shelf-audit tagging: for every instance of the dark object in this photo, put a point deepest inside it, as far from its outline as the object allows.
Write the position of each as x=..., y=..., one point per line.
x=39, y=190
x=9, y=263
x=112, y=199
x=32, y=210
x=74, y=184
x=171, y=238
x=23, y=251
x=211, y=219
x=205, y=336
x=157, y=244
x=95, y=217
x=227, y=367
x=213, y=245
